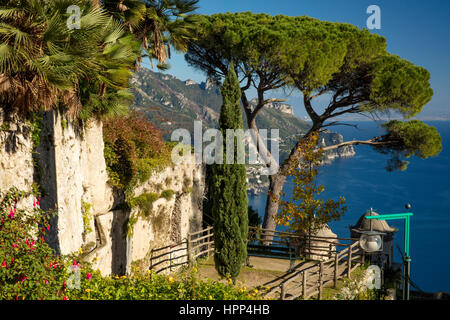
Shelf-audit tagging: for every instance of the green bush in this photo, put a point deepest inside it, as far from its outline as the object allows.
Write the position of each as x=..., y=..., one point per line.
x=144, y=202
x=152, y=286
x=29, y=268
x=167, y=194
x=134, y=149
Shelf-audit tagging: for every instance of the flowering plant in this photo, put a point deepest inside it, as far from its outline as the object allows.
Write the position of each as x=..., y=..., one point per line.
x=29, y=269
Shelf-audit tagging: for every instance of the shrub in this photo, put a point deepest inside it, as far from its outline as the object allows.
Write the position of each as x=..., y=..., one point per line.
x=144, y=202
x=134, y=148
x=29, y=268
x=167, y=194
x=152, y=286
x=87, y=217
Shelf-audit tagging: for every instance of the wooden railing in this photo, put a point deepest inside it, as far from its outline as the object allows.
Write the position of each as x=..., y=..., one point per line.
x=169, y=257
x=310, y=281
x=200, y=244
x=304, y=283
x=302, y=246
x=197, y=244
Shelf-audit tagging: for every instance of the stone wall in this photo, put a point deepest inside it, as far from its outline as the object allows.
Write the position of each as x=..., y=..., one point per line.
x=16, y=157
x=171, y=219
x=70, y=167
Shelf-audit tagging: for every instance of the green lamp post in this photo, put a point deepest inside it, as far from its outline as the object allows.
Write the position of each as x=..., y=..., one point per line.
x=407, y=259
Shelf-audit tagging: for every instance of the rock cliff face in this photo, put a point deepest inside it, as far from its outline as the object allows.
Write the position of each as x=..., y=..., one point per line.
x=16, y=158
x=329, y=138
x=69, y=165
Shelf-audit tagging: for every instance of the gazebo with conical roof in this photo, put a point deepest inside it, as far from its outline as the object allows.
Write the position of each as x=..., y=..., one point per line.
x=364, y=225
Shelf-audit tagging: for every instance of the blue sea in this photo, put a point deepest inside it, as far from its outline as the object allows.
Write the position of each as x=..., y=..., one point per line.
x=365, y=184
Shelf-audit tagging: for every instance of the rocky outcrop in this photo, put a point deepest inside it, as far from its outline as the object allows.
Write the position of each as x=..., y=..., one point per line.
x=172, y=218
x=16, y=157
x=328, y=138
x=257, y=183
x=73, y=175
x=68, y=163
x=282, y=107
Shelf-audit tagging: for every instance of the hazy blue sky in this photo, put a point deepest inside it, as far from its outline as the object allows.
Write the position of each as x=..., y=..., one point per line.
x=417, y=30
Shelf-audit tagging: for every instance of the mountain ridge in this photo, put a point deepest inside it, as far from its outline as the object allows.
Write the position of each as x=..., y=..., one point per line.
x=171, y=103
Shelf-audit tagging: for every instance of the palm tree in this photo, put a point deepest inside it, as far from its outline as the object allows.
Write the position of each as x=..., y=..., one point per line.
x=86, y=71
x=43, y=64
x=156, y=24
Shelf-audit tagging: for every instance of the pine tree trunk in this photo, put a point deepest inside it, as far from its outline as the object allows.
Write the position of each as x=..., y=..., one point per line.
x=276, y=183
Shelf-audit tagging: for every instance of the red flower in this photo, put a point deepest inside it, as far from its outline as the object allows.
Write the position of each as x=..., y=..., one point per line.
x=11, y=214
x=64, y=298
x=3, y=263
x=89, y=276
x=23, y=279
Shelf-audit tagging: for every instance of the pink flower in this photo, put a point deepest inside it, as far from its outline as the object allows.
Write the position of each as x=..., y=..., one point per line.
x=75, y=263
x=23, y=279
x=64, y=298
x=46, y=281
x=34, y=203
x=11, y=214
x=89, y=276
x=3, y=263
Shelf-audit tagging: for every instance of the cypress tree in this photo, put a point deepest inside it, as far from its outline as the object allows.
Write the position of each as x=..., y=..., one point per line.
x=227, y=188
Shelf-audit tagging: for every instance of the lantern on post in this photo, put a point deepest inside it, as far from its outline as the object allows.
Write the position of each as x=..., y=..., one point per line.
x=406, y=259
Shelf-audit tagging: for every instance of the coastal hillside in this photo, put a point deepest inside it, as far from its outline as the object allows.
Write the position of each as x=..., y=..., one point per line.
x=171, y=103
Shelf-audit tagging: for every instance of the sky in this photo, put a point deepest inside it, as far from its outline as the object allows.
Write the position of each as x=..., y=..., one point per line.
x=417, y=30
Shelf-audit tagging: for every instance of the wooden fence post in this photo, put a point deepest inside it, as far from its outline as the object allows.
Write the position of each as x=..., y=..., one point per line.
x=170, y=259
x=336, y=266
x=320, y=279
x=349, y=262
x=329, y=252
x=283, y=292
x=189, y=250
x=151, y=259
x=305, y=278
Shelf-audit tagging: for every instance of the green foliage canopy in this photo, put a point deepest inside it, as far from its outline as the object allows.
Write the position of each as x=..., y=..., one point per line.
x=304, y=212
x=319, y=58
x=414, y=138
x=227, y=187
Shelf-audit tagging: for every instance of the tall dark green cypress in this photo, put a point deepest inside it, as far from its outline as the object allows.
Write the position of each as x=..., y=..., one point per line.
x=227, y=188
